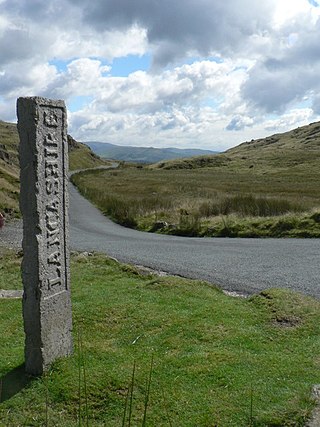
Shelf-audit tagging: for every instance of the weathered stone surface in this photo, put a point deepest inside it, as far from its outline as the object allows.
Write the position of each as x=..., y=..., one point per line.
x=44, y=205
x=10, y=294
x=314, y=421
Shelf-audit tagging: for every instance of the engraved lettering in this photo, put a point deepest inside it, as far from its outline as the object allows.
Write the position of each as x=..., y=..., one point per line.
x=50, y=119
x=50, y=152
x=52, y=219
x=54, y=206
x=52, y=186
x=51, y=168
x=52, y=225
x=55, y=280
x=54, y=258
x=53, y=237
x=50, y=140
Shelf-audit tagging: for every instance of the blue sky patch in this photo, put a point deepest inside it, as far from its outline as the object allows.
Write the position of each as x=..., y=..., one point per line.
x=211, y=102
x=122, y=67
x=60, y=65
x=78, y=102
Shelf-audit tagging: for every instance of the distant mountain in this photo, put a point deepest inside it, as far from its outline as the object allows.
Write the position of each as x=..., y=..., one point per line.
x=142, y=154
x=298, y=148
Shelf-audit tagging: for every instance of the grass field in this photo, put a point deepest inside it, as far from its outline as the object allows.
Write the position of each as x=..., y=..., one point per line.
x=261, y=188
x=217, y=361
x=209, y=201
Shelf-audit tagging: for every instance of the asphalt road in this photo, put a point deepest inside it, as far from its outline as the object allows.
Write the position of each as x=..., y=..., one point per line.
x=242, y=265
x=245, y=266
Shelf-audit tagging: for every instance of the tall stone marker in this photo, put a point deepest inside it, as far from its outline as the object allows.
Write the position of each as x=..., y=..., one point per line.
x=44, y=205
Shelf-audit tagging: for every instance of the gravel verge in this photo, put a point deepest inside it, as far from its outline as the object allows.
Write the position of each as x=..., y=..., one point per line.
x=11, y=235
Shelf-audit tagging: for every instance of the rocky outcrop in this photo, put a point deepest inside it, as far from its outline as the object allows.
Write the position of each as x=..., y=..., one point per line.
x=72, y=143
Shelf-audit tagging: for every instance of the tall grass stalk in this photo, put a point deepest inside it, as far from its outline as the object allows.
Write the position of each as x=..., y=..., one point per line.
x=125, y=408
x=251, y=406
x=79, y=379
x=82, y=372
x=47, y=401
x=166, y=406
x=147, y=394
x=84, y=366
x=131, y=392
x=248, y=205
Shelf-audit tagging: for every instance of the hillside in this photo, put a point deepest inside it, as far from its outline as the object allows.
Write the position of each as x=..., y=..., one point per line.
x=9, y=169
x=262, y=188
x=80, y=156
x=142, y=154
x=298, y=148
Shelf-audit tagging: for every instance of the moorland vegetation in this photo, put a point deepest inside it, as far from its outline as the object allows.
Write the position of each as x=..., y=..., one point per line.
x=262, y=188
x=80, y=157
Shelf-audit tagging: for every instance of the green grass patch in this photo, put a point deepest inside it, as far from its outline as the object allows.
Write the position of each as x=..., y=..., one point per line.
x=10, y=270
x=212, y=355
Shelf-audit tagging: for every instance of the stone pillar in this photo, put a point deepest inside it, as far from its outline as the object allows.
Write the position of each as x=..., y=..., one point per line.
x=42, y=126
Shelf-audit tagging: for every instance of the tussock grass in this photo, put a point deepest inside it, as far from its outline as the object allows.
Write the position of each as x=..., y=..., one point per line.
x=216, y=360
x=248, y=205
x=208, y=202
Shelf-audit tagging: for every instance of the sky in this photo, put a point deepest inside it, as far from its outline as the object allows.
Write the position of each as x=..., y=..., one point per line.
x=165, y=73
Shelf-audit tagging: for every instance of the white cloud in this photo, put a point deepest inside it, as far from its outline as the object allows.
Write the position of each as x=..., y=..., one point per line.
x=141, y=91
x=107, y=44
x=290, y=120
x=266, y=62
x=290, y=11
x=176, y=29
x=172, y=105
x=289, y=69
x=15, y=82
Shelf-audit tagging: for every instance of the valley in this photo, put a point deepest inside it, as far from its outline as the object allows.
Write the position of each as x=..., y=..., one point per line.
x=262, y=188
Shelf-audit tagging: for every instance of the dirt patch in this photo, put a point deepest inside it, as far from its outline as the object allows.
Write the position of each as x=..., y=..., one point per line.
x=287, y=321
